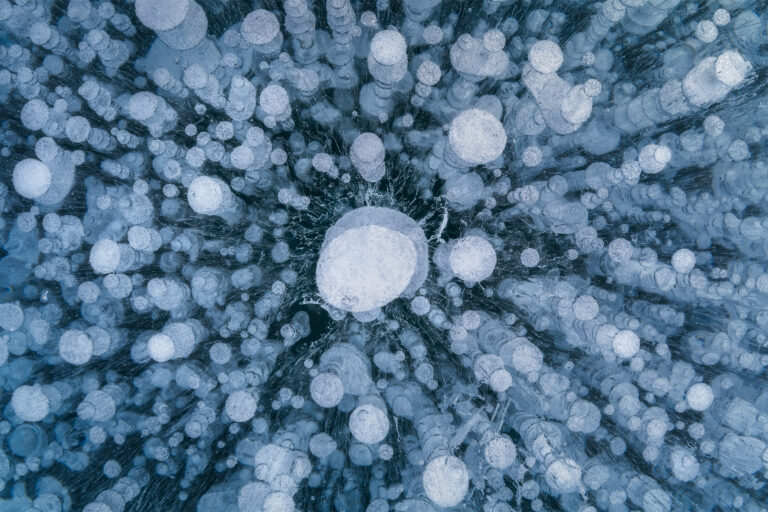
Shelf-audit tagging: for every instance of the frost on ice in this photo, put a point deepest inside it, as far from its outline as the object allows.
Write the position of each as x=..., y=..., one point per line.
x=383, y=255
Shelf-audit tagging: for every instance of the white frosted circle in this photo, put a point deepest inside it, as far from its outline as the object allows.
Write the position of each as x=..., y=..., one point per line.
x=527, y=358
x=11, y=316
x=585, y=307
x=75, y=347
x=365, y=268
x=699, y=397
x=142, y=105
x=326, y=390
x=500, y=380
x=30, y=403
x=472, y=259
x=545, y=56
x=161, y=14
x=160, y=347
x=251, y=495
x=446, y=481
x=31, y=178
x=563, y=475
x=369, y=424
x=683, y=260
x=204, y=195
x=241, y=157
x=35, y=114
x=274, y=100
x=260, y=27
x=105, y=256
x=367, y=155
x=529, y=257
x=388, y=47
x=240, y=406
x=626, y=344
x=731, y=68
x=500, y=451
x=278, y=502
x=477, y=137
x=685, y=467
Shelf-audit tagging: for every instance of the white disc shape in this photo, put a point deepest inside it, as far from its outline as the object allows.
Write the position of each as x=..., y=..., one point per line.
x=477, y=137
x=563, y=475
x=365, y=268
x=500, y=451
x=369, y=424
x=204, y=195
x=160, y=347
x=30, y=404
x=31, y=178
x=75, y=347
x=446, y=481
x=699, y=397
x=472, y=259
x=683, y=260
x=625, y=344
x=161, y=14
x=240, y=406
x=326, y=390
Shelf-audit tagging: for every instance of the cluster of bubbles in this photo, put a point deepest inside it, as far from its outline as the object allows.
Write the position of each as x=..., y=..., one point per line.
x=387, y=255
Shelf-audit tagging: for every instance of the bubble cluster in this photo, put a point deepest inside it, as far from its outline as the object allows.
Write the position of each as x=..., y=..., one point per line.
x=380, y=256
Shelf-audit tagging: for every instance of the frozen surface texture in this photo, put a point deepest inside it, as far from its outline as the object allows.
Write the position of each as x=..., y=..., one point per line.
x=383, y=255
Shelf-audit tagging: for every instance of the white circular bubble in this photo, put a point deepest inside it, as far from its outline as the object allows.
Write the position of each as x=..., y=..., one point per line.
x=685, y=467
x=585, y=307
x=699, y=397
x=527, y=358
x=251, y=496
x=545, y=56
x=620, y=250
x=477, y=137
x=160, y=347
x=161, y=14
x=472, y=258
x=683, y=261
x=321, y=445
x=721, y=17
x=105, y=256
x=500, y=451
x=531, y=156
x=731, y=68
x=625, y=344
x=30, y=403
x=369, y=424
x=35, y=114
x=11, y=317
x=370, y=257
x=31, y=178
x=204, y=195
x=143, y=105
x=75, y=347
x=388, y=47
x=500, y=380
x=706, y=31
x=278, y=501
x=563, y=475
x=274, y=100
x=529, y=257
x=240, y=406
x=326, y=390
x=260, y=27
x=367, y=155
x=446, y=481
x=365, y=268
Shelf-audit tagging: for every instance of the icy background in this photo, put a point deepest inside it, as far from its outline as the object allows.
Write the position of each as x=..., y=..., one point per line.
x=405, y=255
